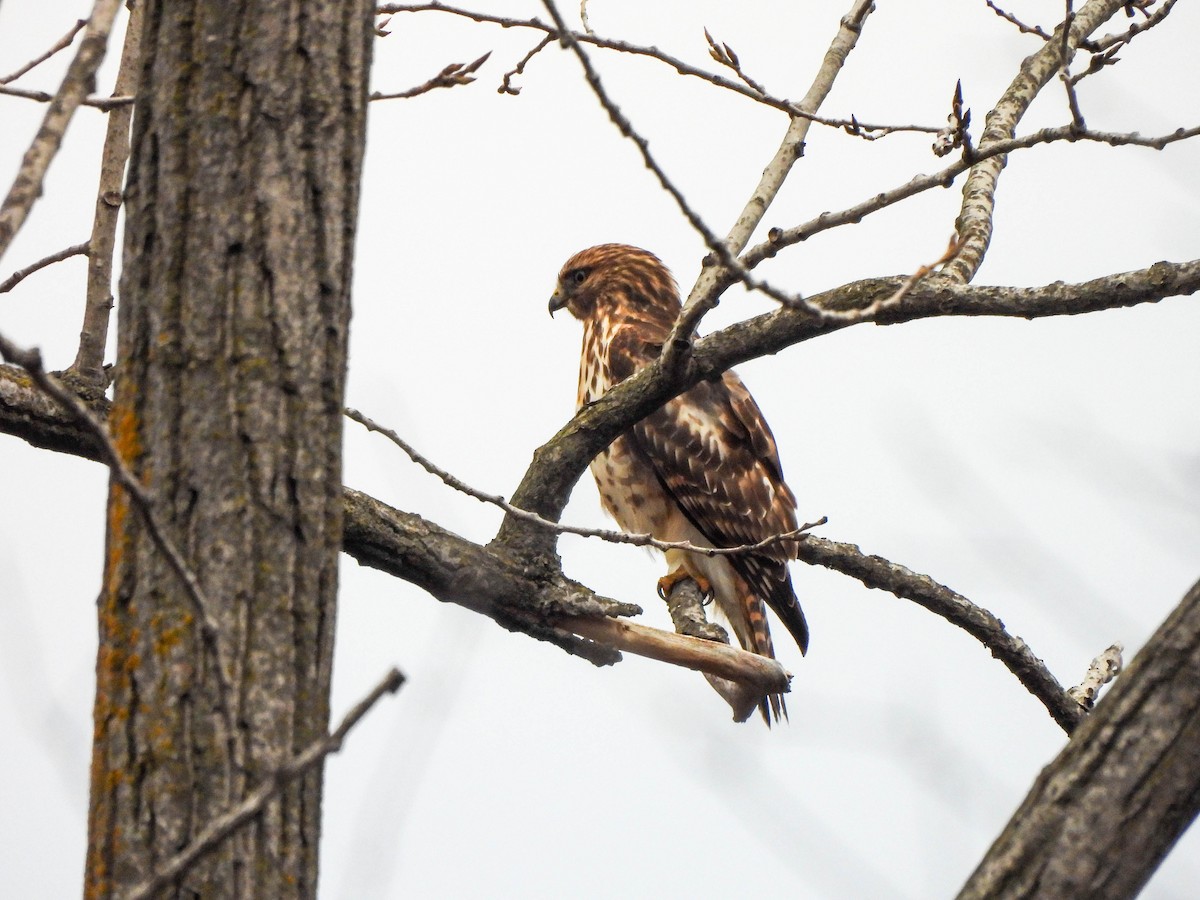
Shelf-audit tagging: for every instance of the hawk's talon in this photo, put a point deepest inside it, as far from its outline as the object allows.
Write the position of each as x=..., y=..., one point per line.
x=667, y=583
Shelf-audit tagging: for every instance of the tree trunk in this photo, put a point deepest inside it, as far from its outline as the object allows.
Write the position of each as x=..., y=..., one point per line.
x=234, y=310
x=1102, y=816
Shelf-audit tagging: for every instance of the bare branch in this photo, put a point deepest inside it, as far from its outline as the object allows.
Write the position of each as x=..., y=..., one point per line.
x=558, y=464
x=89, y=360
x=882, y=303
x=877, y=572
x=975, y=217
x=613, y=537
x=721, y=253
x=506, y=86
x=27, y=186
x=21, y=274
x=1021, y=26
x=705, y=294
x=685, y=603
x=62, y=44
x=851, y=125
x=623, y=124
x=226, y=824
x=452, y=75
x=1117, y=40
x=724, y=55
x=778, y=238
x=1098, y=62
x=763, y=675
x=1064, y=72
x=102, y=103
x=490, y=581
x=1103, y=669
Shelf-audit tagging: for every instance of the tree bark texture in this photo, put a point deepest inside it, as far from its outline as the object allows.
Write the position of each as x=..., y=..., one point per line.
x=1100, y=819
x=235, y=301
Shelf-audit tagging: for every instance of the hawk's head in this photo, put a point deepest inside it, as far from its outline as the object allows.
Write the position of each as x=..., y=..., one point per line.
x=618, y=280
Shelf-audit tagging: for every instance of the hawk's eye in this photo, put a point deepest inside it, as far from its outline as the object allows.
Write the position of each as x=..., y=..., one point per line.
x=578, y=276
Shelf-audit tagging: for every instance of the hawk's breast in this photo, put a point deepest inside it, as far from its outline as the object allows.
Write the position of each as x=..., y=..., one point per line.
x=629, y=490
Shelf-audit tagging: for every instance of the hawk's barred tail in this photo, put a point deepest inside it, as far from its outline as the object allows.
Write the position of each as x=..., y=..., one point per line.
x=773, y=705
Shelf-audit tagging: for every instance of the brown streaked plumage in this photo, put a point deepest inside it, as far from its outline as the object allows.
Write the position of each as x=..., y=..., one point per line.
x=704, y=468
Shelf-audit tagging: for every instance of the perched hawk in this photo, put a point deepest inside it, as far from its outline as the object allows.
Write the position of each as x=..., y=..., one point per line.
x=703, y=468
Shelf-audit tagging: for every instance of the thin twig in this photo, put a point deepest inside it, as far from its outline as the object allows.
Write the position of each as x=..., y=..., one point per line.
x=1064, y=72
x=506, y=86
x=1114, y=40
x=31, y=362
x=62, y=44
x=873, y=309
x=1021, y=26
x=93, y=334
x=705, y=294
x=1103, y=669
x=851, y=125
x=102, y=103
x=569, y=40
x=21, y=274
x=27, y=186
x=221, y=827
x=451, y=76
x=779, y=238
x=725, y=55
x=720, y=252
x=1097, y=63
x=614, y=537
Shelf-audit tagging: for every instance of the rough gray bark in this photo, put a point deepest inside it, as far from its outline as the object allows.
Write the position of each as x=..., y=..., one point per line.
x=242, y=203
x=1102, y=816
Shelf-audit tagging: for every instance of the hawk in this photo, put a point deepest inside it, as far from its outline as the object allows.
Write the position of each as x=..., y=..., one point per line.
x=703, y=468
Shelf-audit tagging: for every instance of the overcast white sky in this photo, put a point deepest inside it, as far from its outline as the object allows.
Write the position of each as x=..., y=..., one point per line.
x=1048, y=470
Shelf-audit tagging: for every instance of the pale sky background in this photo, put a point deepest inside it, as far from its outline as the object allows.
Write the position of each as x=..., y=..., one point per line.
x=1050, y=471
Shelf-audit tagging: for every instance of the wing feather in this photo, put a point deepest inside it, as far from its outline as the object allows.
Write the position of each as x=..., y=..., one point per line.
x=714, y=454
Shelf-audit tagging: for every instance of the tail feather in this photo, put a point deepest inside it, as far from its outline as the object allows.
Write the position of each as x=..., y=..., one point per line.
x=773, y=707
x=771, y=580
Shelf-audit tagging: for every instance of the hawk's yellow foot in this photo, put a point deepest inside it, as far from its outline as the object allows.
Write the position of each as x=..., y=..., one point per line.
x=667, y=583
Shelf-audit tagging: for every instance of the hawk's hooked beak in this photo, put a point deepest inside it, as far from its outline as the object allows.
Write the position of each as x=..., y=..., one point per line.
x=557, y=301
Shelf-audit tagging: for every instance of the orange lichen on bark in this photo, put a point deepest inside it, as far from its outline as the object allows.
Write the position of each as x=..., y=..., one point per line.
x=116, y=660
x=166, y=637
x=123, y=425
